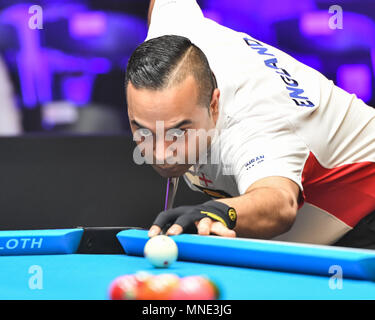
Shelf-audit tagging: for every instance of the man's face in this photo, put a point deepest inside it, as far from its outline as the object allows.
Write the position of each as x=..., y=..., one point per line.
x=178, y=112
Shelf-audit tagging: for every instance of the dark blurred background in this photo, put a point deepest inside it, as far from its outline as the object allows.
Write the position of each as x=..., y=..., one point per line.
x=67, y=79
x=68, y=76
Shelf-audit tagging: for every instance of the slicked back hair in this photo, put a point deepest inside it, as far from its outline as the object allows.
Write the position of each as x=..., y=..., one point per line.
x=166, y=61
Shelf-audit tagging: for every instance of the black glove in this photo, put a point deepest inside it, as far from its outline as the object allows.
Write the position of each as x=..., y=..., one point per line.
x=186, y=216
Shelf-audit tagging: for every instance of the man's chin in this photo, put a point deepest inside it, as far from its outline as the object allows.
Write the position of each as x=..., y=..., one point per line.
x=170, y=172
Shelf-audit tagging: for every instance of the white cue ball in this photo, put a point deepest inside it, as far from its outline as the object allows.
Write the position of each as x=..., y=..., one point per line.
x=161, y=251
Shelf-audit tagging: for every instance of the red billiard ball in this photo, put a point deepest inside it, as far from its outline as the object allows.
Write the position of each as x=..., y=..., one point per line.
x=159, y=287
x=195, y=288
x=126, y=287
x=123, y=288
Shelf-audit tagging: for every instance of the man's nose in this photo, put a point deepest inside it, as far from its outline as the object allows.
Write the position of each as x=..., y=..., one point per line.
x=162, y=152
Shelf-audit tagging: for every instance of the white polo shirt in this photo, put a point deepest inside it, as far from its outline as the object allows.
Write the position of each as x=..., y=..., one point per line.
x=279, y=117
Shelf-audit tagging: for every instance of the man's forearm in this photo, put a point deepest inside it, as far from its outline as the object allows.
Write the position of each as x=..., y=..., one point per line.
x=151, y=7
x=263, y=212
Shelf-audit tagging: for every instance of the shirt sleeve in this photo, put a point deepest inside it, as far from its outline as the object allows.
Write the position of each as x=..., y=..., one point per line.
x=175, y=17
x=261, y=152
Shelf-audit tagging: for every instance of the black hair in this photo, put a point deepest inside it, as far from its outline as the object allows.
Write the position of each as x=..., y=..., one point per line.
x=169, y=59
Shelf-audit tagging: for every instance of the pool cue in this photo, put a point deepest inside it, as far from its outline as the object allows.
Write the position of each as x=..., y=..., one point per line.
x=172, y=184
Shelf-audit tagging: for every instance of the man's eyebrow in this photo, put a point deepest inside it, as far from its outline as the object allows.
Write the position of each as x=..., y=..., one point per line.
x=176, y=126
x=180, y=124
x=138, y=124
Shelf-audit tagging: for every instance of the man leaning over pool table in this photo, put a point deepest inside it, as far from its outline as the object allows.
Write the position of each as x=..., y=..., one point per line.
x=294, y=154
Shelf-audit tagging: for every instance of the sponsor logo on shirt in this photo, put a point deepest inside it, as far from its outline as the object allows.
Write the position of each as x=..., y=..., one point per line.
x=253, y=162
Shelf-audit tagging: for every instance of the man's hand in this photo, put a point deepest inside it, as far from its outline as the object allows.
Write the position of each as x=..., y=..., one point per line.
x=211, y=217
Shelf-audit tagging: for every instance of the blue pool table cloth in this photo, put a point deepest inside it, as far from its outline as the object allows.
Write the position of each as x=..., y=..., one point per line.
x=243, y=269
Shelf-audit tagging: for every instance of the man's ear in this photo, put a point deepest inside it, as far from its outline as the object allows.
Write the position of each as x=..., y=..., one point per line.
x=150, y=8
x=214, y=105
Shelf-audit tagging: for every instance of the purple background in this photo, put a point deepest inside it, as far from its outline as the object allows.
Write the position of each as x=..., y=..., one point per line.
x=68, y=77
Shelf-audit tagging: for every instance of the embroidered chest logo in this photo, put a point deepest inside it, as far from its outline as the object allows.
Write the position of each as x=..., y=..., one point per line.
x=202, y=179
x=205, y=180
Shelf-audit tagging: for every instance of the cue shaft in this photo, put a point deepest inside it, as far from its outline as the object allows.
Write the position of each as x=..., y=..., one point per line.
x=172, y=184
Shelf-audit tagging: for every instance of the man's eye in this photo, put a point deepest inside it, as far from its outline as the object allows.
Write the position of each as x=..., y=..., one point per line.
x=145, y=132
x=177, y=133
